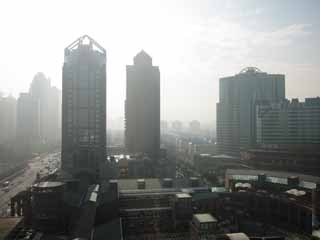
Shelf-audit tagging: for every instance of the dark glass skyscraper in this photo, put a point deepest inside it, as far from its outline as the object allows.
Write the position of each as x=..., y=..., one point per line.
x=142, y=107
x=84, y=108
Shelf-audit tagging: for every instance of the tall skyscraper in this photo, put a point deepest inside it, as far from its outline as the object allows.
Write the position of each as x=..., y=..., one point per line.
x=236, y=107
x=28, y=119
x=40, y=89
x=84, y=108
x=50, y=108
x=8, y=110
x=142, y=107
x=54, y=116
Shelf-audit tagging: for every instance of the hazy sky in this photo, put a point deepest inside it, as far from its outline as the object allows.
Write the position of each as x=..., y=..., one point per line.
x=193, y=42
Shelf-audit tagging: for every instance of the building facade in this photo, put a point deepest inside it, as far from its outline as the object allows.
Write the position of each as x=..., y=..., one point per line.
x=287, y=136
x=28, y=119
x=142, y=107
x=84, y=108
x=236, y=107
x=54, y=116
x=50, y=107
x=8, y=107
x=303, y=158
x=39, y=90
x=288, y=122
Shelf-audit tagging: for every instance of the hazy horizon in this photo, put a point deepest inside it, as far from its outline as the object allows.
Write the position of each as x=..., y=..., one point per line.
x=194, y=43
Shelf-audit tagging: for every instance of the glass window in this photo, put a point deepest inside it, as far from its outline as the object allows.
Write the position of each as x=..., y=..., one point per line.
x=83, y=98
x=83, y=117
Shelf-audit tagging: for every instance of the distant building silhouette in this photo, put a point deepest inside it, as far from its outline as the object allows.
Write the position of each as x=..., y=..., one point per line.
x=236, y=107
x=195, y=126
x=28, y=119
x=142, y=107
x=39, y=89
x=50, y=107
x=84, y=108
x=54, y=116
x=177, y=125
x=8, y=110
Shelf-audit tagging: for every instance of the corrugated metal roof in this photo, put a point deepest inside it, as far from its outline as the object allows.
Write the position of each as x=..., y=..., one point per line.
x=204, y=218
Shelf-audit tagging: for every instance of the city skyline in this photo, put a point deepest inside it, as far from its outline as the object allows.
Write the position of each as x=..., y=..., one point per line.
x=190, y=45
x=175, y=120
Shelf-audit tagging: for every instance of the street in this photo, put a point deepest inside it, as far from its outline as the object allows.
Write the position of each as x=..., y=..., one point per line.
x=41, y=165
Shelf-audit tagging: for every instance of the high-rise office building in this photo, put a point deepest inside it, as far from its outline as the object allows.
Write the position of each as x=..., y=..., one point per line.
x=40, y=89
x=28, y=119
x=50, y=108
x=142, y=107
x=84, y=108
x=54, y=116
x=288, y=122
x=8, y=107
x=236, y=107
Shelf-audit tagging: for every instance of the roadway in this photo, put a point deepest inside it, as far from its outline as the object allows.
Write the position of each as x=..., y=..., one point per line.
x=42, y=165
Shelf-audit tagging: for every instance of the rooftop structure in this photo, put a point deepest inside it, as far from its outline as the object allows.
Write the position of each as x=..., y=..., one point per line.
x=237, y=236
x=305, y=181
x=48, y=184
x=204, y=218
x=183, y=195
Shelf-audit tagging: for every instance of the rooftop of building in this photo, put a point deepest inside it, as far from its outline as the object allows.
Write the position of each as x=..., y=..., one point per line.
x=151, y=209
x=183, y=195
x=85, y=41
x=204, y=218
x=48, y=184
x=142, y=58
x=251, y=72
x=306, y=181
x=237, y=236
x=143, y=54
x=131, y=184
x=217, y=156
x=294, y=103
x=248, y=70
